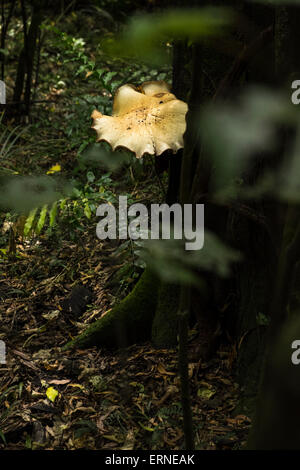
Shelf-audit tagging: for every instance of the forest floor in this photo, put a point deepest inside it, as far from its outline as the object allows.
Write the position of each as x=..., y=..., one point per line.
x=97, y=399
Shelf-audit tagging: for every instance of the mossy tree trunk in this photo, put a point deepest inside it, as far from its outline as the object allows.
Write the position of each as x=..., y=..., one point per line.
x=128, y=322
x=165, y=325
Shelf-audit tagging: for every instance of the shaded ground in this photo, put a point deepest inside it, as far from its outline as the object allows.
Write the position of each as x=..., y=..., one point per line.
x=124, y=400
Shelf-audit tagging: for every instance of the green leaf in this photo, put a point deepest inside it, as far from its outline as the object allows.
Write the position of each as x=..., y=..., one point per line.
x=100, y=72
x=262, y=319
x=174, y=264
x=144, y=35
x=87, y=210
x=42, y=218
x=108, y=77
x=62, y=204
x=146, y=428
x=29, y=222
x=114, y=85
x=52, y=214
x=28, y=442
x=90, y=176
x=3, y=437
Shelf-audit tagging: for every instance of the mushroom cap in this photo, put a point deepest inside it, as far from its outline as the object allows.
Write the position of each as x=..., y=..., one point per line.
x=145, y=119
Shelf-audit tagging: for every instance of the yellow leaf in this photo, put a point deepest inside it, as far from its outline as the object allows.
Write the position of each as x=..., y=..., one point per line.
x=54, y=169
x=51, y=393
x=146, y=428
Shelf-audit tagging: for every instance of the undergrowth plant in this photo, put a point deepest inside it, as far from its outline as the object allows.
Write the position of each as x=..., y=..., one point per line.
x=74, y=210
x=103, y=72
x=70, y=214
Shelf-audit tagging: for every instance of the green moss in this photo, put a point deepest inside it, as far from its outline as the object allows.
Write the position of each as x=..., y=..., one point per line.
x=128, y=322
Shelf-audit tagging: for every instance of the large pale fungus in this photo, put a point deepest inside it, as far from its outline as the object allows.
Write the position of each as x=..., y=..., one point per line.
x=145, y=119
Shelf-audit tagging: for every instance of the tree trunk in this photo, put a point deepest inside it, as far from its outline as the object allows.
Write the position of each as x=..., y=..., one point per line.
x=277, y=416
x=26, y=58
x=128, y=322
x=277, y=422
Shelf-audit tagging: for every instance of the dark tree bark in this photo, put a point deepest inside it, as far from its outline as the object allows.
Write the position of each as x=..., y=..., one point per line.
x=128, y=322
x=4, y=28
x=276, y=426
x=254, y=275
x=27, y=56
x=277, y=416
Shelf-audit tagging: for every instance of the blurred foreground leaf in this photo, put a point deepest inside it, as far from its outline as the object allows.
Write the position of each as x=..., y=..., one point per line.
x=23, y=193
x=51, y=393
x=236, y=134
x=174, y=264
x=99, y=154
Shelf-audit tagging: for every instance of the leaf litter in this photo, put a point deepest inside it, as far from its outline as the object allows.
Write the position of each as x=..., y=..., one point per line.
x=98, y=399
